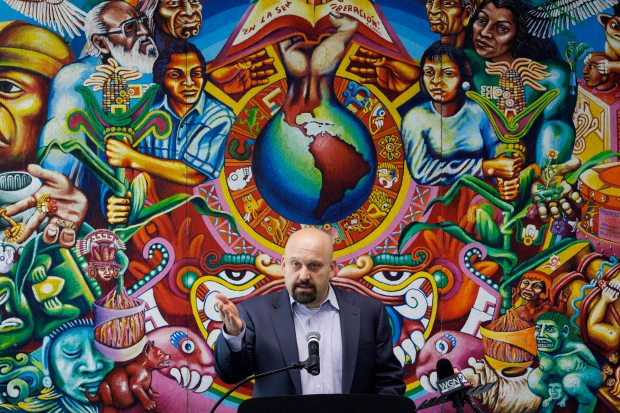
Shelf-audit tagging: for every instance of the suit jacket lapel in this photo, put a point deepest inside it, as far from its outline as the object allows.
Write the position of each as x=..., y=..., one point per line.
x=284, y=327
x=350, y=328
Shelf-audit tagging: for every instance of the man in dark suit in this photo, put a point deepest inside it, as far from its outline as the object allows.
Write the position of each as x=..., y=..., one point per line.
x=268, y=332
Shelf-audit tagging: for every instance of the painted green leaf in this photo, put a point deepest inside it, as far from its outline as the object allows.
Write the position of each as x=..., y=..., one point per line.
x=487, y=227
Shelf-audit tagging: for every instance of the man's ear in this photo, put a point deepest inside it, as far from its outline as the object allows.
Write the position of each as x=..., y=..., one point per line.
x=101, y=43
x=603, y=18
x=333, y=269
x=466, y=15
x=565, y=331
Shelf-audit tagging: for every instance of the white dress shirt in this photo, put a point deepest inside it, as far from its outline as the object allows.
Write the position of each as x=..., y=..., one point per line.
x=326, y=320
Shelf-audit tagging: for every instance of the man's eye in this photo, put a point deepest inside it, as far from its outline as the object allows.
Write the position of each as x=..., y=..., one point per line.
x=70, y=353
x=173, y=4
x=197, y=74
x=7, y=86
x=173, y=75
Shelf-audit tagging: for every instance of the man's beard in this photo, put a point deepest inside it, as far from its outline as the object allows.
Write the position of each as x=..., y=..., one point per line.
x=304, y=297
x=134, y=58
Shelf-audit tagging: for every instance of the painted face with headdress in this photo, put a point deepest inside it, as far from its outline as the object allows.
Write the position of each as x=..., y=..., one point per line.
x=100, y=248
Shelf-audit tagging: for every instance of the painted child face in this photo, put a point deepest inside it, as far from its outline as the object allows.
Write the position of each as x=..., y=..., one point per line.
x=442, y=79
x=184, y=78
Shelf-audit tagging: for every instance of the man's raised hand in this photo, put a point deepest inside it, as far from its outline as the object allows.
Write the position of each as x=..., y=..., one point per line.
x=233, y=324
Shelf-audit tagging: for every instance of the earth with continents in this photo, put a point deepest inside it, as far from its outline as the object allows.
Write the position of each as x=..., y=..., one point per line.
x=317, y=171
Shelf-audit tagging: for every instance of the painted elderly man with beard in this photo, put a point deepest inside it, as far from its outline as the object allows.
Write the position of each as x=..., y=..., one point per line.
x=114, y=30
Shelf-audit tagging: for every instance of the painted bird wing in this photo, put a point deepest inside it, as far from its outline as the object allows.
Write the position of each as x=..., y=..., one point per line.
x=555, y=16
x=60, y=15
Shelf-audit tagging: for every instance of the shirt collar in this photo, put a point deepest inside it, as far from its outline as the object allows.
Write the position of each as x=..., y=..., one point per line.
x=331, y=299
x=199, y=106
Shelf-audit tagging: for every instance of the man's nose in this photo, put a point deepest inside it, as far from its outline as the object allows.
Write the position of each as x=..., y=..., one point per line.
x=435, y=7
x=304, y=273
x=486, y=31
x=143, y=29
x=187, y=7
x=188, y=79
x=89, y=362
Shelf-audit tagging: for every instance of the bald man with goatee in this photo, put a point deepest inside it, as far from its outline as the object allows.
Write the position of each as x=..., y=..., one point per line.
x=268, y=332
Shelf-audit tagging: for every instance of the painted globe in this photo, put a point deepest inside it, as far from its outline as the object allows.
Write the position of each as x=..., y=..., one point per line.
x=316, y=168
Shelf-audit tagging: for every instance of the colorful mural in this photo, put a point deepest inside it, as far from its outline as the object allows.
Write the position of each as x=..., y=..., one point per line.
x=463, y=155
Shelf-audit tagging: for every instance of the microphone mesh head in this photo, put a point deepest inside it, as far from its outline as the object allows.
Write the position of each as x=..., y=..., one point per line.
x=444, y=369
x=313, y=335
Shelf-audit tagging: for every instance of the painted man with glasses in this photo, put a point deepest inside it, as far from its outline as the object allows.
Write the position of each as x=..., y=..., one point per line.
x=114, y=30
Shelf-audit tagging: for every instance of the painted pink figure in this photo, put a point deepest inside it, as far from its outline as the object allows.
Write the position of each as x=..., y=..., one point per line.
x=452, y=345
x=191, y=357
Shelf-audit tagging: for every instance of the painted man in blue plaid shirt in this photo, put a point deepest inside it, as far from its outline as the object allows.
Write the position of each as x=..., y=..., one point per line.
x=194, y=152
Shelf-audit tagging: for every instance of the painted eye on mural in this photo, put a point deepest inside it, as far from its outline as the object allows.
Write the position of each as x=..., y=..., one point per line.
x=445, y=344
x=181, y=340
x=236, y=277
x=72, y=353
x=390, y=277
x=442, y=346
x=378, y=111
x=187, y=346
x=6, y=86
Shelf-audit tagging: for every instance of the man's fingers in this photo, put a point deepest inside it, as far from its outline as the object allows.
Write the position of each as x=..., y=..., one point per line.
x=367, y=60
x=222, y=298
x=33, y=223
x=518, y=162
x=51, y=232
x=21, y=206
x=256, y=55
x=363, y=71
x=262, y=73
x=117, y=220
x=367, y=52
x=262, y=63
x=259, y=82
x=67, y=238
x=46, y=175
x=120, y=208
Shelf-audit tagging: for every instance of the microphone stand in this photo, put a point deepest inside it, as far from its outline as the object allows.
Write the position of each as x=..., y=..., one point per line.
x=459, y=401
x=295, y=366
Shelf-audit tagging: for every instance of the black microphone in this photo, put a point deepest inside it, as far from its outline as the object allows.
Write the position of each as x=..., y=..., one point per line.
x=298, y=365
x=454, y=386
x=313, y=363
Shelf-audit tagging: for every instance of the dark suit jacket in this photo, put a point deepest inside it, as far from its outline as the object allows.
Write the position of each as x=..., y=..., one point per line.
x=368, y=361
